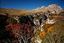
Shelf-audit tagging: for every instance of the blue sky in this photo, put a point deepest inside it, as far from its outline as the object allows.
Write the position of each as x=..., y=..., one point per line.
x=29, y=4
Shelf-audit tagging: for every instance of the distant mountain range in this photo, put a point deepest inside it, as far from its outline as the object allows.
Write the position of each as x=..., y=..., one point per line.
x=53, y=8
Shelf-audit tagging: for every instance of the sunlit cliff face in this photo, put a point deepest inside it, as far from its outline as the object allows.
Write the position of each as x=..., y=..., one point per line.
x=36, y=22
x=50, y=21
x=39, y=19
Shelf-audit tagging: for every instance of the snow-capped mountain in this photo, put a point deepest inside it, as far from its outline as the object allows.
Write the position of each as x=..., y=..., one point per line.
x=53, y=8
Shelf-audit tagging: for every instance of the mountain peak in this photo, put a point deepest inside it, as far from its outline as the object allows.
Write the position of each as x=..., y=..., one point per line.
x=53, y=8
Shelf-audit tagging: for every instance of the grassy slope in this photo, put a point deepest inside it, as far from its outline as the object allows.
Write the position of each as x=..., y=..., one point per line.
x=57, y=36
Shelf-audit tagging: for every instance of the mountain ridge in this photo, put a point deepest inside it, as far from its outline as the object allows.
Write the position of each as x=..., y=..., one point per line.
x=53, y=8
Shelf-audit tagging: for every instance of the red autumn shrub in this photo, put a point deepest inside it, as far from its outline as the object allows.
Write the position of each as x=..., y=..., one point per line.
x=20, y=29
x=14, y=29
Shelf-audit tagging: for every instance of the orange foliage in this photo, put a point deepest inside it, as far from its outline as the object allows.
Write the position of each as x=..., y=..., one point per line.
x=42, y=34
x=50, y=29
